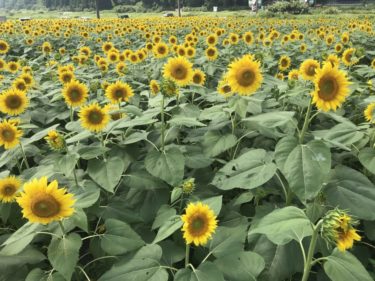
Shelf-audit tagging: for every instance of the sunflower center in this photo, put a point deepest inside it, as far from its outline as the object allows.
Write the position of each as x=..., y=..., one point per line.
x=95, y=117
x=161, y=50
x=45, y=207
x=197, y=79
x=284, y=63
x=246, y=78
x=75, y=95
x=9, y=190
x=197, y=224
x=13, y=102
x=67, y=77
x=327, y=89
x=210, y=53
x=180, y=72
x=2, y=47
x=311, y=70
x=119, y=94
x=227, y=89
x=21, y=86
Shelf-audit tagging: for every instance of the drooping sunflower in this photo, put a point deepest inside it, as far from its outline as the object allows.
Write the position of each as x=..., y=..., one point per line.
x=199, y=223
x=199, y=77
x=211, y=53
x=93, y=117
x=179, y=69
x=55, y=140
x=370, y=113
x=284, y=63
x=44, y=203
x=9, y=187
x=244, y=75
x=154, y=87
x=348, y=57
x=118, y=92
x=13, y=102
x=160, y=50
x=309, y=68
x=75, y=93
x=4, y=47
x=331, y=88
x=9, y=134
x=293, y=74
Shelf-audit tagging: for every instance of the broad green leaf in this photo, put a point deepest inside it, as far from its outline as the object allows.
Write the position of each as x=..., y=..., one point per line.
x=185, y=121
x=106, y=173
x=215, y=142
x=91, y=152
x=165, y=213
x=214, y=203
x=306, y=169
x=282, y=150
x=352, y=191
x=168, y=165
x=40, y=275
x=271, y=119
x=143, y=180
x=143, y=266
x=241, y=266
x=87, y=195
x=205, y=272
x=27, y=256
x=168, y=228
x=284, y=225
x=63, y=254
x=67, y=163
x=343, y=266
x=250, y=170
x=367, y=158
x=120, y=238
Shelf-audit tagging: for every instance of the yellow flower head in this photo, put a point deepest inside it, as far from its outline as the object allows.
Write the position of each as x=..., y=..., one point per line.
x=333, y=60
x=370, y=112
x=20, y=85
x=118, y=92
x=9, y=187
x=160, y=50
x=75, y=93
x=4, y=47
x=211, y=53
x=9, y=134
x=55, y=140
x=199, y=77
x=309, y=68
x=293, y=74
x=348, y=57
x=178, y=69
x=284, y=63
x=44, y=203
x=13, y=102
x=199, y=223
x=66, y=76
x=93, y=117
x=154, y=87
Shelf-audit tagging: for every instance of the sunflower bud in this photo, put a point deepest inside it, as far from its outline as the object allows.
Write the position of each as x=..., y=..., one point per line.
x=55, y=140
x=188, y=186
x=338, y=228
x=169, y=88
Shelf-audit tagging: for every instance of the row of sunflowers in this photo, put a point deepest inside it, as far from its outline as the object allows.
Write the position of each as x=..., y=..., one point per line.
x=195, y=148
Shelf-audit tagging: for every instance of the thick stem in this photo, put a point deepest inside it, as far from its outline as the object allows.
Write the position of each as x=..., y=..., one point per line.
x=71, y=113
x=103, y=145
x=187, y=255
x=62, y=228
x=162, y=124
x=306, y=123
x=24, y=156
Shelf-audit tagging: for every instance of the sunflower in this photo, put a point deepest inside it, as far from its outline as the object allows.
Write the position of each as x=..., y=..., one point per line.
x=373, y=63
x=8, y=188
x=113, y=56
x=331, y=88
x=13, y=102
x=44, y=203
x=118, y=92
x=338, y=48
x=211, y=40
x=55, y=140
x=9, y=134
x=199, y=223
x=370, y=113
x=303, y=48
x=190, y=52
x=3, y=64
x=75, y=93
x=199, y=77
x=248, y=37
x=93, y=117
x=4, y=47
x=46, y=47
x=348, y=57
x=179, y=69
x=13, y=66
x=160, y=50
x=345, y=38
x=66, y=76
x=293, y=74
x=244, y=75
x=27, y=78
x=121, y=68
x=154, y=87
x=284, y=63
x=333, y=60
x=309, y=68
x=107, y=46
x=224, y=89
x=211, y=53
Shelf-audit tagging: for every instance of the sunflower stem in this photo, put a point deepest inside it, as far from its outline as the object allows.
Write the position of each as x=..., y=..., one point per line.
x=306, y=122
x=71, y=113
x=75, y=176
x=162, y=124
x=24, y=156
x=103, y=145
x=187, y=255
x=62, y=228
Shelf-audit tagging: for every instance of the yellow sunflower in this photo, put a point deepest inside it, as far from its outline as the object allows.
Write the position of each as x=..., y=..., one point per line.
x=75, y=93
x=55, y=140
x=211, y=53
x=154, y=87
x=160, y=50
x=346, y=239
x=309, y=68
x=121, y=68
x=66, y=76
x=370, y=112
x=9, y=187
x=293, y=74
x=93, y=117
x=178, y=69
x=284, y=63
x=28, y=78
x=244, y=75
x=118, y=92
x=338, y=48
x=20, y=85
x=199, y=223
x=333, y=60
x=212, y=39
x=3, y=64
x=9, y=134
x=373, y=63
x=224, y=89
x=248, y=37
x=199, y=77
x=13, y=102
x=348, y=57
x=44, y=203
x=4, y=47
x=331, y=88
x=13, y=66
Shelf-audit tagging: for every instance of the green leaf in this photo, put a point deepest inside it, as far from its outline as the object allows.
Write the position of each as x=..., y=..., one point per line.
x=227, y=240
x=185, y=121
x=143, y=266
x=143, y=180
x=87, y=195
x=27, y=256
x=120, y=238
x=282, y=150
x=306, y=169
x=351, y=190
x=215, y=142
x=106, y=173
x=168, y=165
x=214, y=203
x=367, y=158
x=250, y=170
x=205, y=272
x=271, y=119
x=284, y=225
x=343, y=266
x=63, y=254
x=67, y=163
x=241, y=266
x=168, y=228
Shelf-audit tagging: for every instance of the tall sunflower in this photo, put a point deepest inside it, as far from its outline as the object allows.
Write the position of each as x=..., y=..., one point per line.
x=244, y=75
x=93, y=117
x=44, y=203
x=309, y=68
x=199, y=223
x=179, y=69
x=75, y=93
x=9, y=134
x=118, y=92
x=331, y=88
x=370, y=112
x=9, y=187
x=13, y=102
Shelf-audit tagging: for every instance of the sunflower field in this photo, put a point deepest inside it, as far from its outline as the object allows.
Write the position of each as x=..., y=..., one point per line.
x=187, y=149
